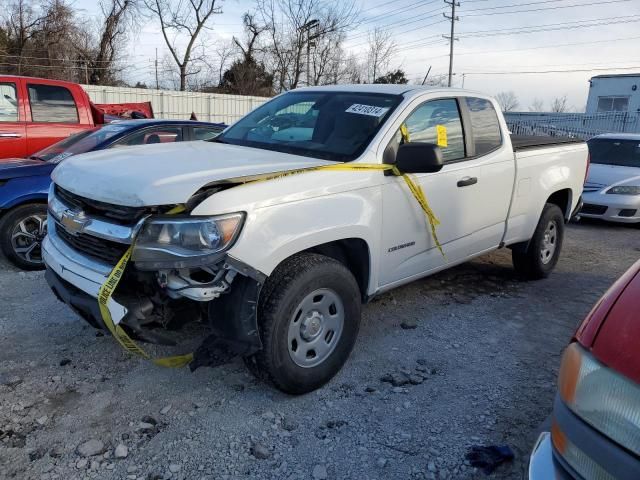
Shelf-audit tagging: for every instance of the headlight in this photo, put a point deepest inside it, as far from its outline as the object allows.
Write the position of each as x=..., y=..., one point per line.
x=185, y=241
x=625, y=190
x=601, y=397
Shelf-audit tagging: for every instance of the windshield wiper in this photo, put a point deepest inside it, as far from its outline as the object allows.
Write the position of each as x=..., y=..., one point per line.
x=36, y=157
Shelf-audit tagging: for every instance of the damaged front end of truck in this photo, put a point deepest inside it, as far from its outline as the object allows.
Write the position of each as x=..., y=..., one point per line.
x=179, y=271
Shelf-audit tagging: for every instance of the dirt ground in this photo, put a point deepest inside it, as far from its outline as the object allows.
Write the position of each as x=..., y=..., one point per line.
x=482, y=346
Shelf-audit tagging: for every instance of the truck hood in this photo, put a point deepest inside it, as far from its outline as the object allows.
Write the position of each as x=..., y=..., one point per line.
x=23, y=167
x=616, y=342
x=602, y=176
x=165, y=174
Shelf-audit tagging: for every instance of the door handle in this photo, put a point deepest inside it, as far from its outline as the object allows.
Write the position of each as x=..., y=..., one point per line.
x=466, y=181
x=9, y=135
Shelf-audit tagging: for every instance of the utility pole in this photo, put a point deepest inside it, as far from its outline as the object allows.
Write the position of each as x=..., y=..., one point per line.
x=306, y=28
x=157, y=83
x=451, y=38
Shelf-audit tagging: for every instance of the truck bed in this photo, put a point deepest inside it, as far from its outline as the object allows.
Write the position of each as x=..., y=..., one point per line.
x=524, y=142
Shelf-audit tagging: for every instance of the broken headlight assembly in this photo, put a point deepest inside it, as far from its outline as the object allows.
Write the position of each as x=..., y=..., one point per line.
x=179, y=242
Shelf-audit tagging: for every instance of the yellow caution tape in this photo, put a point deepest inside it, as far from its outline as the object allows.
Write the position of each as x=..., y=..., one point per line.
x=414, y=188
x=105, y=293
x=404, y=131
x=106, y=290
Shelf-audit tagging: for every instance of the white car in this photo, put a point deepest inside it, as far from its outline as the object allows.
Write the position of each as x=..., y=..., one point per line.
x=612, y=190
x=278, y=267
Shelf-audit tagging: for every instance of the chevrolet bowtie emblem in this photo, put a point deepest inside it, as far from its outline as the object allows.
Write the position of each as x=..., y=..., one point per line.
x=74, y=221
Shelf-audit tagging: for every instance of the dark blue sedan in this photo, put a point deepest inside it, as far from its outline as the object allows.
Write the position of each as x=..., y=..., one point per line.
x=24, y=183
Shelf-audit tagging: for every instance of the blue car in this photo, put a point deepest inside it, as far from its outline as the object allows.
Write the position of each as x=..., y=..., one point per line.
x=24, y=183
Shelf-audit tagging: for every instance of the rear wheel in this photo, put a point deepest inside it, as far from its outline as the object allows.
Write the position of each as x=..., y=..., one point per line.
x=22, y=231
x=542, y=254
x=309, y=317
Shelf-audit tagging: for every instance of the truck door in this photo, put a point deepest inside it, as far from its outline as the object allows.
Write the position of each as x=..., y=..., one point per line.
x=13, y=142
x=54, y=114
x=470, y=195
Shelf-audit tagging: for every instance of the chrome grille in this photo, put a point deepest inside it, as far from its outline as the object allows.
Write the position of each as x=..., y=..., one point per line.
x=94, y=247
x=121, y=214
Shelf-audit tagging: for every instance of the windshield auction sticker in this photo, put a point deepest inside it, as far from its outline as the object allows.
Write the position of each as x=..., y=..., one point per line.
x=370, y=110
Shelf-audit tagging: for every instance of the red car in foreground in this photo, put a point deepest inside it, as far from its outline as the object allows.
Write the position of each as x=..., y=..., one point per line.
x=595, y=429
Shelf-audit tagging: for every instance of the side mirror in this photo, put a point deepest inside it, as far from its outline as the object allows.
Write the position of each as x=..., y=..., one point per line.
x=419, y=157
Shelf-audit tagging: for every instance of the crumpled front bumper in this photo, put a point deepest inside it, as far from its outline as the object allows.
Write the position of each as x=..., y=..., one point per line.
x=76, y=279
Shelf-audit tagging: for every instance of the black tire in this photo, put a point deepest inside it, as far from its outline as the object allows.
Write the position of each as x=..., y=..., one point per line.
x=535, y=262
x=8, y=227
x=294, y=281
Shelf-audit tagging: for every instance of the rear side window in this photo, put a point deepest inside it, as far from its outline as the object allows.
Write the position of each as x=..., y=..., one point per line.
x=203, y=133
x=52, y=104
x=8, y=103
x=152, y=135
x=484, y=124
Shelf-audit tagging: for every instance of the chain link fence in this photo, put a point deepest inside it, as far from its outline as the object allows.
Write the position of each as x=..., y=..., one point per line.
x=578, y=125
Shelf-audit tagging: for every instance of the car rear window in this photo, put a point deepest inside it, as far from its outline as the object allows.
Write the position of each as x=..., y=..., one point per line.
x=609, y=151
x=484, y=124
x=52, y=104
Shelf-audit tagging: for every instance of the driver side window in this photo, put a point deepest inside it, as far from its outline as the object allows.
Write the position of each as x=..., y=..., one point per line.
x=437, y=122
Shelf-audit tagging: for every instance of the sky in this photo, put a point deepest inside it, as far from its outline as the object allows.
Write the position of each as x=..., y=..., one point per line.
x=497, y=40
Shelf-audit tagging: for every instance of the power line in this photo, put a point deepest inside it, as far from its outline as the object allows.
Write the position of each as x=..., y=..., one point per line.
x=404, y=22
x=578, y=70
x=559, y=7
x=542, y=47
x=396, y=11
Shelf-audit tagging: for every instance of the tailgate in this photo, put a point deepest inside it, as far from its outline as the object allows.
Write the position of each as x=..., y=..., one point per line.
x=102, y=111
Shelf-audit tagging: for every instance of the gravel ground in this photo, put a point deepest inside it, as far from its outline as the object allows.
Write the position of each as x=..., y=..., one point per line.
x=481, y=349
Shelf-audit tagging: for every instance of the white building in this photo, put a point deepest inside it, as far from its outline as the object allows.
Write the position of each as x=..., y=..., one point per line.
x=614, y=93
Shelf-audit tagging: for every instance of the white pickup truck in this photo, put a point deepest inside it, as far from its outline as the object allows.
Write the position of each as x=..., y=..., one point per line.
x=278, y=267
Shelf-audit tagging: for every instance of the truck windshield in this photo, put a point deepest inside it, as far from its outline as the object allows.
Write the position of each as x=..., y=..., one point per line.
x=623, y=153
x=329, y=125
x=82, y=142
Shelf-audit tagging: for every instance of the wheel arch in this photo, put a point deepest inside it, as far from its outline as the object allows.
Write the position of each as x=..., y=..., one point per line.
x=563, y=199
x=353, y=253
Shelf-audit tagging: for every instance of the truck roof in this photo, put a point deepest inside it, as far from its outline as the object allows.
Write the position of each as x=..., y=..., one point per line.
x=391, y=89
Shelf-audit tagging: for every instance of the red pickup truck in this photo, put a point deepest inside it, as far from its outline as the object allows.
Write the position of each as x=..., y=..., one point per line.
x=35, y=113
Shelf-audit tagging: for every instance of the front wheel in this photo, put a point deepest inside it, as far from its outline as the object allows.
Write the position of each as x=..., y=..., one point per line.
x=542, y=254
x=22, y=231
x=309, y=317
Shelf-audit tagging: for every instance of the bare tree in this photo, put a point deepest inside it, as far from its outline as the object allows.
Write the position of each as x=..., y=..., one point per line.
x=295, y=27
x=187, y=18
x=508, y=101
x=560, y=104
x=119, y=15
x=537, y=105
x=21, y=24
x=379, y=53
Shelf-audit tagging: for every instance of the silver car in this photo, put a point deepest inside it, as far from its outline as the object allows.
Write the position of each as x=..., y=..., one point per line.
x=612, y=189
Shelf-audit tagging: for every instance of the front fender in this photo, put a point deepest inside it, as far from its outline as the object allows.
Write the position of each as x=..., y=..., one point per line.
x=23, y=190
x=275, y=233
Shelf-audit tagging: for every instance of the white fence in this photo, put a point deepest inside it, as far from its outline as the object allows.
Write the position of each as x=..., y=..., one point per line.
x=208, y=107
x=578, y=125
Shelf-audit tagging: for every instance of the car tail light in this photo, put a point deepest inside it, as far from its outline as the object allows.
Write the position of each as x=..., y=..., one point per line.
x=586, y=172
x=601, y=397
